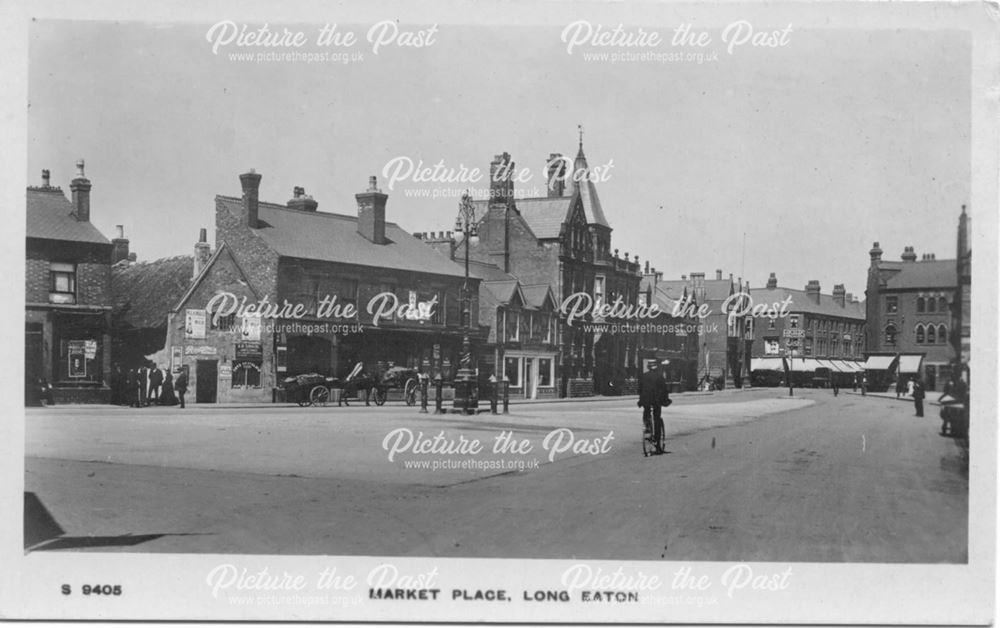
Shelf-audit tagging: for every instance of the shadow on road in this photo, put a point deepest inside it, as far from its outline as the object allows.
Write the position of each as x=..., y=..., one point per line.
x=43, y=532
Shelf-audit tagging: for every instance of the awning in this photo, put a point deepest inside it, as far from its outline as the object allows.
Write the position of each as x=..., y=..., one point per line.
x=846, y=366
x=766, y=364
x=803, y=365
x=879, y=362
x=828, y=364
x=910, y=363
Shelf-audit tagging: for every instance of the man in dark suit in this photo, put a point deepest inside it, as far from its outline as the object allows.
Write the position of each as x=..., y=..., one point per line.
x=155, y=381
x=653, y=395
x=918, y=397
x=181, y=385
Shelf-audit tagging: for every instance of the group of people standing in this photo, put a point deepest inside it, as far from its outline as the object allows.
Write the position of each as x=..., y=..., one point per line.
x=149, y=385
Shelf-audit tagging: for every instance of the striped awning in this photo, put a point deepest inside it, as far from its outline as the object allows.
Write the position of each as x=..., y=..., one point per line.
x=803, y=365
x=880, y=362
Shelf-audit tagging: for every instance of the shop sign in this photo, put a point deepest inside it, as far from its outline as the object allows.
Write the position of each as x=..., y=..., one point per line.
x=225, y=371
x=77, y=358
x=249, y=350
x=200, y=350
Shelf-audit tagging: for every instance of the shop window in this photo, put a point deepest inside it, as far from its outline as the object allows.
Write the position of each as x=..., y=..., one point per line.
x=544, y=372
x=920, y=334
x=512, y=371
x=62, y=283
x=892, y=305
x=246, y=374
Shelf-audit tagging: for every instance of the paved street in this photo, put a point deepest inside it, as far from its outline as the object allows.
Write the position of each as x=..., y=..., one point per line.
x=749, y=476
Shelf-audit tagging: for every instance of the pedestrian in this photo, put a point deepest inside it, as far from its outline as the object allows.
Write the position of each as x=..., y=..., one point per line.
x=864, y=385
x=181, y=384
x=167, y=393
x=143, y=382
x=836, y=386
x=854, y=383
x=155, y=384
x=918, y=397
x=653, y=395
x=899, y=386
x=909, y=387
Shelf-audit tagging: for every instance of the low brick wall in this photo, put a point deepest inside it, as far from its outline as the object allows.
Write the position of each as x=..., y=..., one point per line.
x=81, y=395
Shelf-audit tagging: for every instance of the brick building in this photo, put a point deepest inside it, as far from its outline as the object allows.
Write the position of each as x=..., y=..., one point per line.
x=67, y=294
x=832, y=326
x=910, y=312
x=332, y=267
x=668, y=337
x=722, y=355
x=562, y=241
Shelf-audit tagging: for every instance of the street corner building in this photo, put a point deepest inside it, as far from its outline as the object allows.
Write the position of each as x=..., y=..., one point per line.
x=918, y=313
x=558, y=245
x=334, y=268
x=819, y=343
x=68, y=299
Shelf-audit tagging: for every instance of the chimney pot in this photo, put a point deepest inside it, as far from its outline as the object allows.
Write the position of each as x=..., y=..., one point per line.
x=120, y=230
x=45, y=178
x=79, y=169
x=718, y=274
x=647, y=267
x=556, y=174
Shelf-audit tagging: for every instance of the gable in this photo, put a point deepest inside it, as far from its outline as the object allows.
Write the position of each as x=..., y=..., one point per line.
x=222, y=274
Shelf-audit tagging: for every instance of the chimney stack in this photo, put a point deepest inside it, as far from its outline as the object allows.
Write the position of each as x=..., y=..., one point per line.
x=80, y=186
x=772, y=282
x=119, y=245
x=875, y=253
x=839, y=294
x=501, y=179
x=251, y=188
x=202, y=253
x=45, y=179
x=718, y=274
x=812, y=290
x=371, y=212
x=556, y=175
x=302, y=201
x=909, y=255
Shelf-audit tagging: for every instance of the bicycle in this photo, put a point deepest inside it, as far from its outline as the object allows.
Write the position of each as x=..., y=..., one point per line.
x=649, y=444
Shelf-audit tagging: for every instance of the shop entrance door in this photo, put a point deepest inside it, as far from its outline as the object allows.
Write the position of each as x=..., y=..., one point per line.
x=206, y=381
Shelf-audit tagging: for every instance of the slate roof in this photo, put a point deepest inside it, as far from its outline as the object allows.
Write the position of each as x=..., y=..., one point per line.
x=487, y=271
x=50, y=216
x=588, y=192
x=327, y=237
x=545, y=216
x=802, y=303
x=924, y=274
x=501, y=291
x=715, y=289
x=534, y=295
x=144, y=292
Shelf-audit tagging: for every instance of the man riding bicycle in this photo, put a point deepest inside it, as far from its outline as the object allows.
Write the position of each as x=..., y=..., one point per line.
x=653, y=395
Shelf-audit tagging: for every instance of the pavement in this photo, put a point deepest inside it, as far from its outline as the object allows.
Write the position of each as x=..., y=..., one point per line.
x=749, y=476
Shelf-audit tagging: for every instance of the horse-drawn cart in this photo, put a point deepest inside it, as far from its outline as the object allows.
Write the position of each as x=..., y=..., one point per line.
x=313, y=389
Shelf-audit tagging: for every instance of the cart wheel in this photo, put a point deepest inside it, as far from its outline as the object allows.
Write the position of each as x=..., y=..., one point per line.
x=379, y=394
x=319, y=395
x=410, y=392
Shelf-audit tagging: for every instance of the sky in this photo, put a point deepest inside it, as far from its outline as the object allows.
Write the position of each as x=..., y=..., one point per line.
x=789, y=159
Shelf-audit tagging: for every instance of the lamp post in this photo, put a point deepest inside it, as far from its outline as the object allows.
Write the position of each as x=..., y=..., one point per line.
x=466, y=397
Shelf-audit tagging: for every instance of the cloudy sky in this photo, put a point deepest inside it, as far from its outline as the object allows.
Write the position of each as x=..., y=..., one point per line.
x=808, y=152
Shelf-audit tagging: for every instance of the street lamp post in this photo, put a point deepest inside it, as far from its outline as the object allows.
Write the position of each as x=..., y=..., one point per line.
x=466, y=397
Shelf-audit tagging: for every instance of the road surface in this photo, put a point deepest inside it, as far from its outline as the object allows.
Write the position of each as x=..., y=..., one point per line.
x=750, y=476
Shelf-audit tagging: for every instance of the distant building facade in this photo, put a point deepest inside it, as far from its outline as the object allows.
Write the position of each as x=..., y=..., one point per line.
x=562, y=241
x=68, y=298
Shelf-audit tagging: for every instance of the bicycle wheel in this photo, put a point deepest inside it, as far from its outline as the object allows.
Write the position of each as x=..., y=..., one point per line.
x=648, y=447
x=410, y=392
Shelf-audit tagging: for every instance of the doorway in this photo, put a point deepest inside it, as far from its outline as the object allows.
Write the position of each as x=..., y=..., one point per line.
x=206, y=381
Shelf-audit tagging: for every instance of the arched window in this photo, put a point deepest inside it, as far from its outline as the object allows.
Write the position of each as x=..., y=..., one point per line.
x=942, y=304
x=932, y=304
x=931, y=335
x=890, y=334
x=920, y=334
x=942, y=333
x=920, y=305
